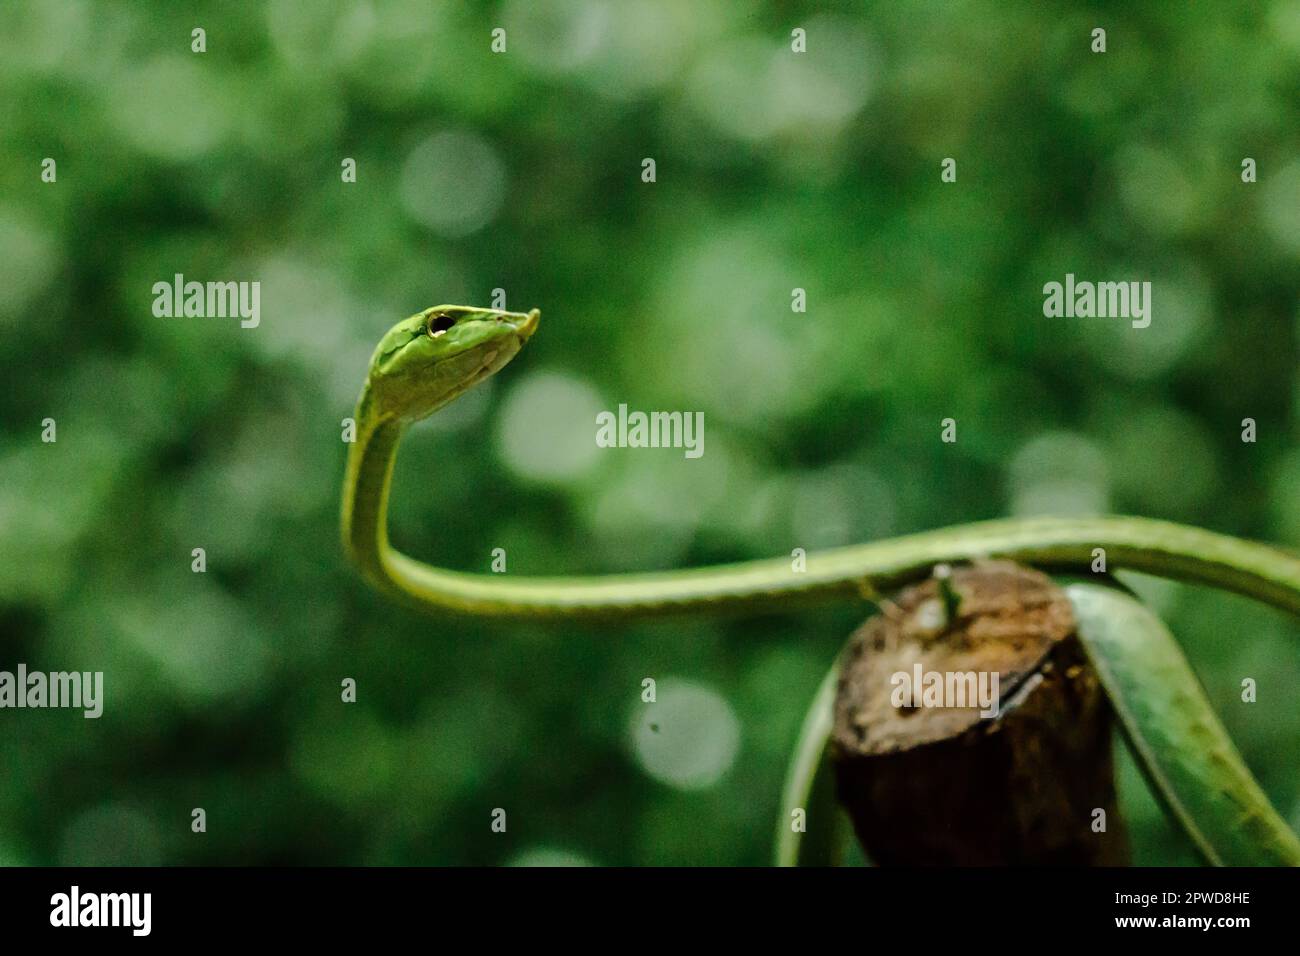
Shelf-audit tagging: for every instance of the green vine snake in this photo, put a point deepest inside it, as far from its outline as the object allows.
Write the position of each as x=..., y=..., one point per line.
x=431, y=358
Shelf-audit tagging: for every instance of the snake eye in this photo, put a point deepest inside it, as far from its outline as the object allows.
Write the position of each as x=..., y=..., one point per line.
x=439, y=324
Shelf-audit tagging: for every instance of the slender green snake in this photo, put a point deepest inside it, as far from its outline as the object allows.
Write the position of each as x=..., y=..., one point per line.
x=431, y=358
x=414, y=372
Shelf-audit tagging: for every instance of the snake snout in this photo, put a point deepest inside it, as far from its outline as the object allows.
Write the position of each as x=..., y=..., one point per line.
x=525, y=324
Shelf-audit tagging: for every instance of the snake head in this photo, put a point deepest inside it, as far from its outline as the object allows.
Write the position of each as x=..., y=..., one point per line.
x=432, y=357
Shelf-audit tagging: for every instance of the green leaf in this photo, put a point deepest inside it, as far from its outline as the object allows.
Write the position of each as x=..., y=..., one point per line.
x=810, y=786
x=1174, y=734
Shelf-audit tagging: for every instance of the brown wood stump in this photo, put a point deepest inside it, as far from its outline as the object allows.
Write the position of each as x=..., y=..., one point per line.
x=943, y=785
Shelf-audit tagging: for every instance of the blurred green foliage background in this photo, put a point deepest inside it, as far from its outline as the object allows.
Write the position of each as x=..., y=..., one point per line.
x=521, y=171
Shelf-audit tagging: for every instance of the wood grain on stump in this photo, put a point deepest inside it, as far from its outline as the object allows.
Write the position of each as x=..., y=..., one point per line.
x=943, y=785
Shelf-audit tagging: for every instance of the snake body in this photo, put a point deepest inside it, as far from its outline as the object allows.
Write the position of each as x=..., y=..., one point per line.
x=415, y=373
x=432, y=357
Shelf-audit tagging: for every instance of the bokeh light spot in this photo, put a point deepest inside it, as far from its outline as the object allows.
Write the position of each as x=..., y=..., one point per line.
x=547, y=430
x=1059, y=473
x=454, y=183
x=688, y=738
